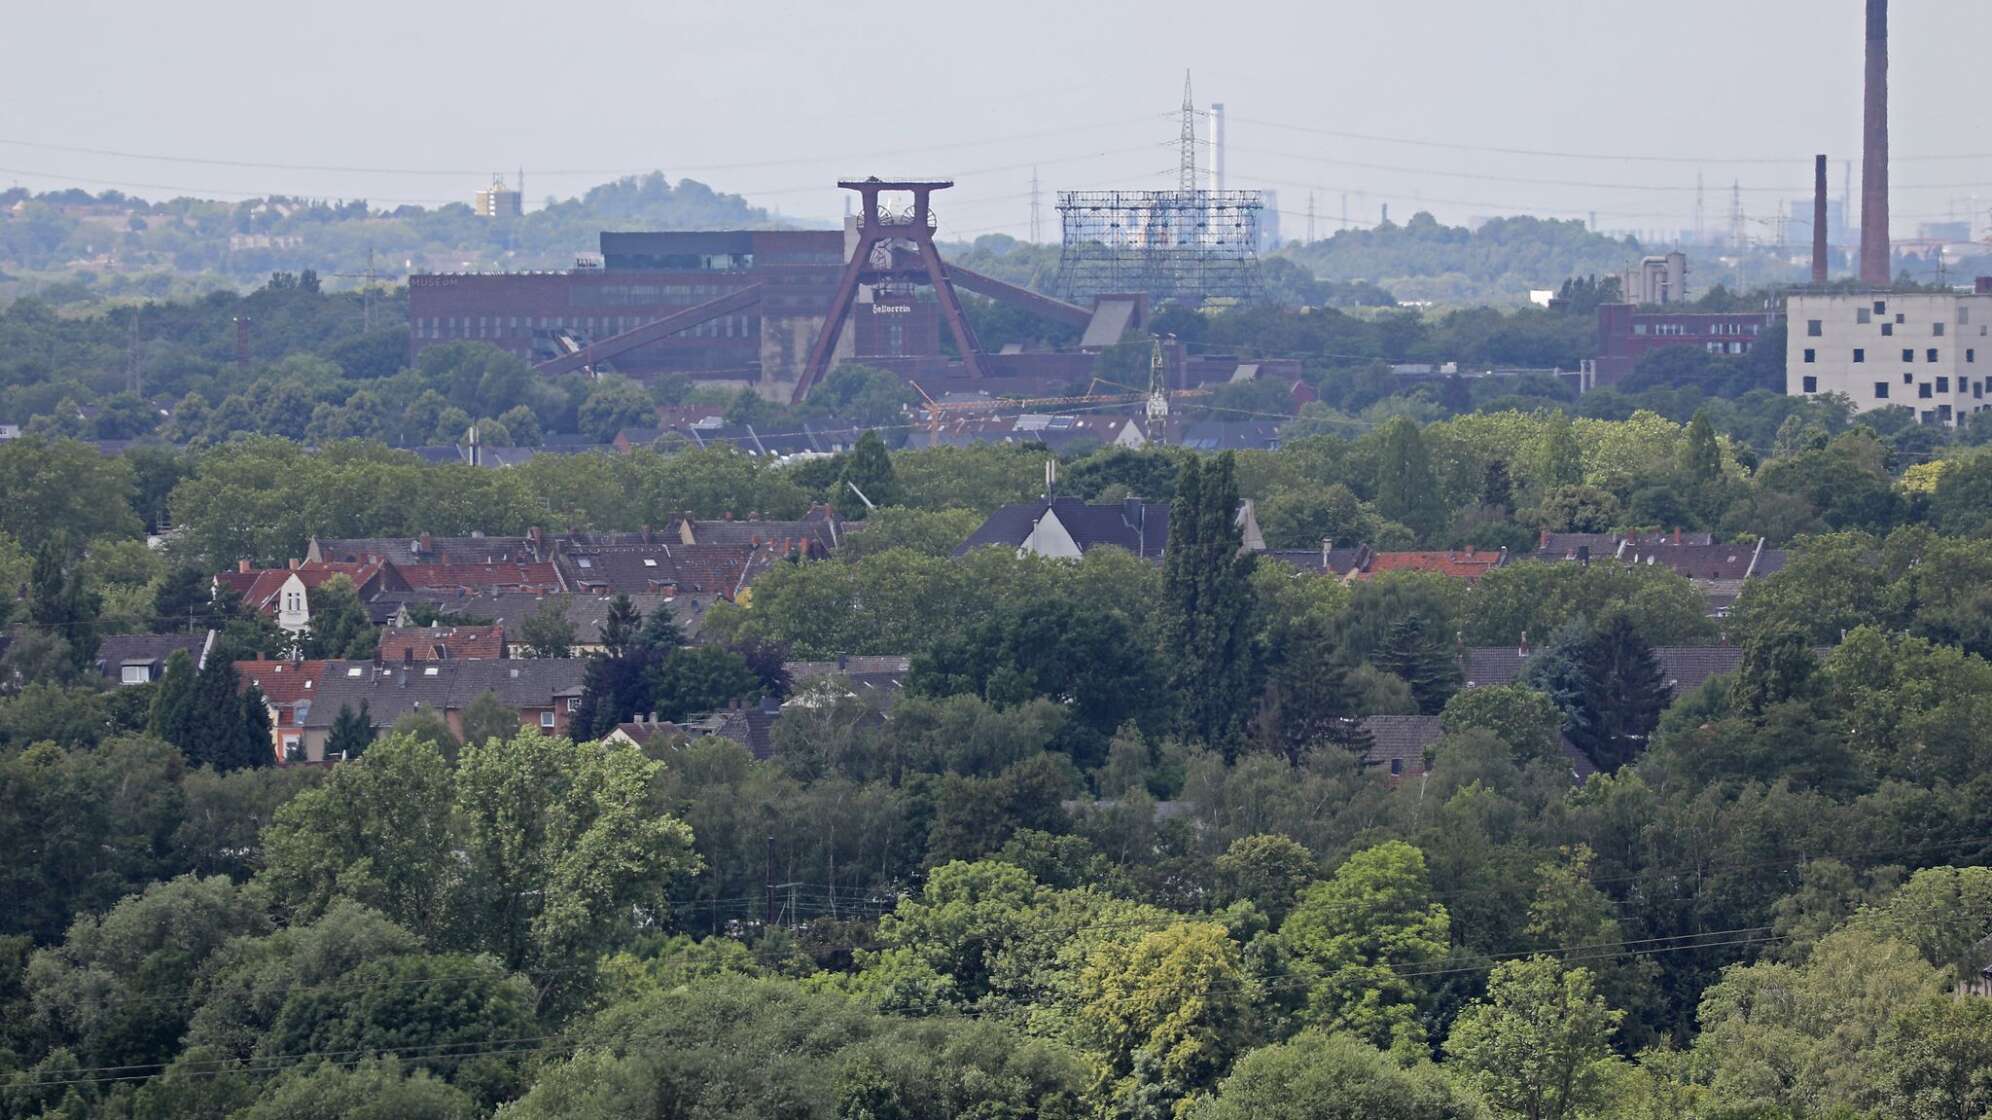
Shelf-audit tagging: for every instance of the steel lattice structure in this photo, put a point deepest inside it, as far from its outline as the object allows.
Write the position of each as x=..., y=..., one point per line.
x=1187, y=245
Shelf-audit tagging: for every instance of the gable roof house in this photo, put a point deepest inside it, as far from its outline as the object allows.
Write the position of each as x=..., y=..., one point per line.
x=1467, y=564
x=665, y=568
x=545, y=692
x=125, y=659
x=441, y=643
x=285, y=593
x=1684, y=668
x=1400, y=745
x=1069, y=528
x=288, y=689
x=426, y=549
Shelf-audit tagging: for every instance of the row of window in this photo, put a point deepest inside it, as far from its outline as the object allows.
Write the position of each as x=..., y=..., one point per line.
x=522, y=326
x=1675, y=330
x=1931, y=356
x=1925, y=390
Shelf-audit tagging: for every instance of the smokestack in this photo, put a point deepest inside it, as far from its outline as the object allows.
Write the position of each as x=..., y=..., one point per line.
x=1819, y=221
x=1217, y=145
x=1876, y=266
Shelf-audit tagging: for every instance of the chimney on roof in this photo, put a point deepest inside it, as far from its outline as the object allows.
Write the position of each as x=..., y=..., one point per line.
x=243, y=566
x=1327, y=546
x=1819, y=248
x=425, y=543
x=727, y=516
x=1877, y=266
x=1677, y=535
x=1523, y=649
x=1584, y=554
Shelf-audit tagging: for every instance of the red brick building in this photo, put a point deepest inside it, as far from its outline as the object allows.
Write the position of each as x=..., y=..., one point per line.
x=1627, y=333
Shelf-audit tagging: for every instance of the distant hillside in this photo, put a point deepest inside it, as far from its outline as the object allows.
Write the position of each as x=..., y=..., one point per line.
x=1497, y=263
x=110, y=240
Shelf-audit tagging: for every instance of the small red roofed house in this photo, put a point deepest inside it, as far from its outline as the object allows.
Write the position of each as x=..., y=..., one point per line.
x=442, y=643
x=288, y=688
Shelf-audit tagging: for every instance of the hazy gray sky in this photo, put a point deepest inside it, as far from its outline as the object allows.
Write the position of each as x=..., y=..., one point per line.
x=775, y=100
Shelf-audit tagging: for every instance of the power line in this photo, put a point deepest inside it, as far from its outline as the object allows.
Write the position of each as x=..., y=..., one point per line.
x=1551, y=154
x=735, y=166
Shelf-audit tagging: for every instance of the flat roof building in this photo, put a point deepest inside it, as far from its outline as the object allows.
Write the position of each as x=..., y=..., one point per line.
x=1926, y=351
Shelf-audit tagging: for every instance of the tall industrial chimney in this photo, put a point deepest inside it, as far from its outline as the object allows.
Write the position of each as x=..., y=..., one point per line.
x=1819, y=248
x=1217, y=145
x=1876, y=264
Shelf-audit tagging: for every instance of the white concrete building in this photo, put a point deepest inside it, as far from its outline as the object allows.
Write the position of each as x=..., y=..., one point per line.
x=1927, y=351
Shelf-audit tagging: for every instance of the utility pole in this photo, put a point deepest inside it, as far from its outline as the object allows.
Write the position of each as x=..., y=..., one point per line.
x=768, y=916
x=1310, y=217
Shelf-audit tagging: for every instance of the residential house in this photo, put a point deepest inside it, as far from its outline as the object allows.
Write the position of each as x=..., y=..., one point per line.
x=1328, y=560
x=442, y=643
x=876, y=680
x=1055, y=432
x=126, y=659
x=1400, y=747
x=667, y=569
x=288, y=689
x=493, y=575
x=750, y=725
x=1684, y=668
x=426, y=549
x=285, y=593
x=544, y=692
x=1230, y=435
x=1069, y=528
x=1468, y=564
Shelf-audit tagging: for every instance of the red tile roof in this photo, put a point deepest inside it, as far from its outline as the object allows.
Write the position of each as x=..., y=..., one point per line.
x=1468, y=564
x=442, y=643
x=259, y=586
x=284, y=683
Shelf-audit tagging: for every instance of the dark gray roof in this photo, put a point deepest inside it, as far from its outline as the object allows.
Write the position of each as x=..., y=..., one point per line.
x=415, y=550
x=117, y=650
x=1405, y=739
x=1231, y=435
x=752, y=726
x=1141, y=528
x=1337, y=561
x=391, y=691
x=1682, y=667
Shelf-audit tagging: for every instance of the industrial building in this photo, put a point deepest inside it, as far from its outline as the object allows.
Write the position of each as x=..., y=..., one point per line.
x=1627, y=334
x=1927, y=351
x=776, y=310
x=646, y=277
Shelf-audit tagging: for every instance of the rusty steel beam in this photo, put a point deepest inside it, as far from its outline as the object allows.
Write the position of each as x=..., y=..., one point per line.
x=654, y=330
x=1006, y=292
